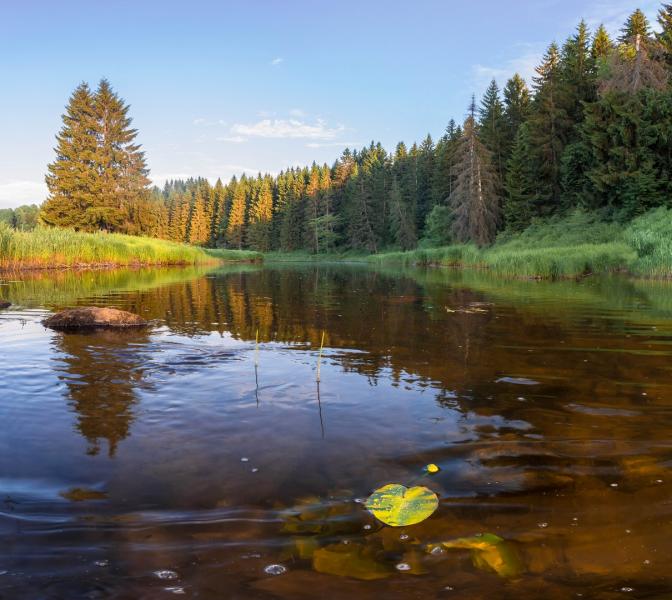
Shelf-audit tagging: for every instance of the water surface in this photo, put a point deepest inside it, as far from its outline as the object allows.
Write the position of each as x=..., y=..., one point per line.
x=145, y=464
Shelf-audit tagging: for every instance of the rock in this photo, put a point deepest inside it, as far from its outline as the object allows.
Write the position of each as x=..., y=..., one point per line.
x=91, y=316
x=4, y=304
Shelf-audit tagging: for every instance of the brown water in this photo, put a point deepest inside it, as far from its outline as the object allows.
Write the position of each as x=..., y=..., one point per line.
x=155, y=463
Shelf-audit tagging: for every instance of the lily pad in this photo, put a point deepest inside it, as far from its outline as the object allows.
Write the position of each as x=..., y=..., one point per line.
x=399, y=506
x=489, y=552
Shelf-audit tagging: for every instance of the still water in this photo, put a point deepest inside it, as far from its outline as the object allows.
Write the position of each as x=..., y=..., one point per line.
x=161, y=462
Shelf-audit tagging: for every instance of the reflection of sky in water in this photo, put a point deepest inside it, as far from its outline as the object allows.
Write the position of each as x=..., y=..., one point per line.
x=549, y=419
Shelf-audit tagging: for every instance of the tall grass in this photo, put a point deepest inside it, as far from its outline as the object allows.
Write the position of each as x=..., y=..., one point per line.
x=53, y=248
x=576, y=245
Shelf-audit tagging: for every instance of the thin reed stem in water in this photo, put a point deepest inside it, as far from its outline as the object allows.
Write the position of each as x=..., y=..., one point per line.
x=319, y=357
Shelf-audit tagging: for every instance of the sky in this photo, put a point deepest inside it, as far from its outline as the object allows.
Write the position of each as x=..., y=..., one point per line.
x=223, y=87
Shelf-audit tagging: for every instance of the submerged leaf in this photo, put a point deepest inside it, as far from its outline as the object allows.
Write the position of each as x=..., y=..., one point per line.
x=398, y=506
x=350, y=560
x=82, y=494
x=489, y=552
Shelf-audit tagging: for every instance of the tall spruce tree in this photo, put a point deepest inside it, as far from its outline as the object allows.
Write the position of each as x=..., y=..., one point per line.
x=492, y=128
x=71, y=194
x=521, y=185
x=550, y=128
x=94, y=186
x=636, y=24
x=516, y=108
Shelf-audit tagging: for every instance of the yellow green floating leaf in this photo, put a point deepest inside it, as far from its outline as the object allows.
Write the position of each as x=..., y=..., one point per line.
x=432, y=468
x=350, y=560
x=489, y=552
x=399, y=506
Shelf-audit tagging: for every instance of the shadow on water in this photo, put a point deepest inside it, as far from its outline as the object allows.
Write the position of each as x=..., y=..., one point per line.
x=192, y=468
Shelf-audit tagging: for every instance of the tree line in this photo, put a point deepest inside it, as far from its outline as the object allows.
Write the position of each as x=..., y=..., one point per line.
x=593, y=131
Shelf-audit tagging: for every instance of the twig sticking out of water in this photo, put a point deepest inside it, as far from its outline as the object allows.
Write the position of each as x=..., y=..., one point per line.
x=256, y=351
x=319, y=358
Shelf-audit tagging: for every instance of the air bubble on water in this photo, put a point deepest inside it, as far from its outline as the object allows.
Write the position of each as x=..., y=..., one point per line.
x=542, y=525
x=166, y=574
x=659, y=481
x=275, y=569
x=647, y=562
x=244, y=459
x=614, y=485
x=255, y=470
x=359, y=500
x=628, y=531
x=367, y=527
x=521, y=398
x=175, y=590
x=403, y=567
x=403, y=536
x=448, y=588
x=102, y=563
x=436, y=550
x=627, y=589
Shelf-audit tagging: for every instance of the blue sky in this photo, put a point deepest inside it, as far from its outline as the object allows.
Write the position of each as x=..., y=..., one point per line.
x=221, y=87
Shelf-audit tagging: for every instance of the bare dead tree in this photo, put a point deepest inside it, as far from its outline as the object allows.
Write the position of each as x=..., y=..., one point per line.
x=635, y=65
x=475, y=201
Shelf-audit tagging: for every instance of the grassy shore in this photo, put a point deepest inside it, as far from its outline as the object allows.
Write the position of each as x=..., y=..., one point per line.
x=46, y=248
x=576, y=245
x=302, y=256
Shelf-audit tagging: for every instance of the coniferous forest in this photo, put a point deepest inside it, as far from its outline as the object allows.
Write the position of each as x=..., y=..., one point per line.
x=592, y=130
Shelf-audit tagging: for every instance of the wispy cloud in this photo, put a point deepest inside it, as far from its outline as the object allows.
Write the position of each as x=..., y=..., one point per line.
x=613, y=13
x=297, y=112
x=233, y=139
x=16, y=192
x=201, y=122
x=276, y=61
x=288, y=128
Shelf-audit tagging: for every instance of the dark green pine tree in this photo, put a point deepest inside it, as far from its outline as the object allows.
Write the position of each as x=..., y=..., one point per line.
x=636, y=24
x=444, y=162
x=359, y=213
x=402, y=224
x=628, y=138
x=578, y=73
x=549, y=130
x=425, y=181
x=521, y=183
x=492, y=127
x=71, y=194
x=516, y=108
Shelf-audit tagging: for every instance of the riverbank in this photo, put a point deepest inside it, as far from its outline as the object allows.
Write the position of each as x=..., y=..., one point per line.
x=46, y=248
x=302, y=256
x=574, y=246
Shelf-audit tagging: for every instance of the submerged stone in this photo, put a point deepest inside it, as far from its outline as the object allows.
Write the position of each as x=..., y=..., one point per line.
x=92, y=316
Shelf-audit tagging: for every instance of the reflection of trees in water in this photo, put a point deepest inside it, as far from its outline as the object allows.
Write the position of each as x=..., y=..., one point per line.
x=102, y=370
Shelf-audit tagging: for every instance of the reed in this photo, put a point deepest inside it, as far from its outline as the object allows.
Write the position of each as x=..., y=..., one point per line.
x=575, y=245
x=55, y=248
x=319, y=358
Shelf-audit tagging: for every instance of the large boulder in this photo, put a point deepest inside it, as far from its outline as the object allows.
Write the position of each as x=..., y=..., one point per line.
x=4, y=304
x=91, y=317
